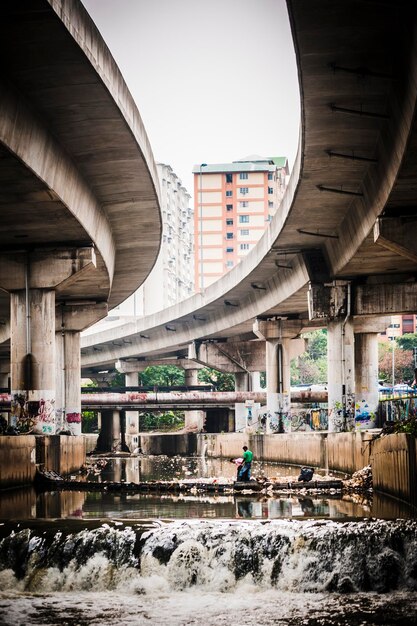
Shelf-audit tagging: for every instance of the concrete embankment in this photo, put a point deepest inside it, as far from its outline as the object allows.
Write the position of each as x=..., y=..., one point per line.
x=393, y=457
x=20, y=454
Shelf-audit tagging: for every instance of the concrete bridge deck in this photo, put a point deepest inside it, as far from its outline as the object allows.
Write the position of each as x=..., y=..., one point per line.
x=349, y=210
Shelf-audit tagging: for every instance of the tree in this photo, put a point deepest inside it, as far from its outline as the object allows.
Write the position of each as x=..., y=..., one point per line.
x=219, y=380
x=163, y=376
x=403, y=363
x=408, y=341
x=311, y=366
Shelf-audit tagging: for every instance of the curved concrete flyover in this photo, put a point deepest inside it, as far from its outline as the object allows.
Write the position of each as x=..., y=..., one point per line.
x=76, y=167
x=353, y=185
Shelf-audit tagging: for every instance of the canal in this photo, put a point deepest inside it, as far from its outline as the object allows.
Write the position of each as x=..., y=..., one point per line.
x=304, y=559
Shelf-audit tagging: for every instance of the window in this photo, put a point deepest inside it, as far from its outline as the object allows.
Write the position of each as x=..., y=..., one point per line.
x=229, y=249
x=270, y=190
x=229, y=235
x=229, y=222
x=243, y=219
x=229, y=207
x=229, y=193
x=229, y=178
x=244, y=190
x=244, y=232
x=229, y=263
x=243, y=175
x=270, y=204
x=244, y=246
x=244, y=204
x=270, y=176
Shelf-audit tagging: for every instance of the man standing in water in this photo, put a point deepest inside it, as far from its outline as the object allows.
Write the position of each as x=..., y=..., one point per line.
x=244, y=474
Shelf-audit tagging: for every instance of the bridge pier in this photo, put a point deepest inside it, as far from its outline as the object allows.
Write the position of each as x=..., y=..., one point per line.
x=132, y=427
x=277, y=335
x=194, y=420
x=110, y=433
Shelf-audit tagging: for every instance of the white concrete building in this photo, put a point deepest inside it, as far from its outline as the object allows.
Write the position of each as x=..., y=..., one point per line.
x=172, y=277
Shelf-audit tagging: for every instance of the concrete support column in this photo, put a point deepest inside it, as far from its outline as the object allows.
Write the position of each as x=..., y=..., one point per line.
x=242, y=381
x=68, y=382
x=132, y=417
x=32, y=360
x=194, y=420
x=278, y=335
x=255, y=383
x=278, y=384
x=341, y=375
x=366, y=380
x=109, y=438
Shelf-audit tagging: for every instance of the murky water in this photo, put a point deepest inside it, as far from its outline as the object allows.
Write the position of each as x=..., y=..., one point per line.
x=294, y=560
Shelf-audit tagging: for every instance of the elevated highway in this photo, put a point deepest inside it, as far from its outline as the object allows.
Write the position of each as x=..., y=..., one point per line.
x=79, y=194
x=349, y=211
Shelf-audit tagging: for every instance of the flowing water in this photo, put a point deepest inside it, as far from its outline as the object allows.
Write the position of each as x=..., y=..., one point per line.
x=283, y=566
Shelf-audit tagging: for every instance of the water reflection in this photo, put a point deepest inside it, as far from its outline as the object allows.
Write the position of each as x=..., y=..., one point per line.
x=26, y=504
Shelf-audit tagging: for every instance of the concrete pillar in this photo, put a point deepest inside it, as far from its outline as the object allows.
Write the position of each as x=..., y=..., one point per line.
x=341, y=375
x=109, y=437
x=32, y=360
x=132, y=417
x=242, y=381
x=68, y=381
x=278, y=384
x=30, y=277
x=255, y=381
x=366, y=380
x=194, y=420
x=278, y=335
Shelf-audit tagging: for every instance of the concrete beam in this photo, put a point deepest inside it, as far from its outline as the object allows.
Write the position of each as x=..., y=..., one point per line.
x=43, y=268
x=243, y=356
x=398, y=235
x=274, y=330
x=383, y=299
x=136, y=365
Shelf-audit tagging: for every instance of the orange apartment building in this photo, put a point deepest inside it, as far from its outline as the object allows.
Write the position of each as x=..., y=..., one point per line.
x=233, y=203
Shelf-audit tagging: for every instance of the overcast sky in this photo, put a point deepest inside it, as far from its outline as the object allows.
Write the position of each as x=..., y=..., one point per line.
x=213, y=81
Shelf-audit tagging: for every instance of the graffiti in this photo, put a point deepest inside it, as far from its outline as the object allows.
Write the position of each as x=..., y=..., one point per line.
x=73, y=418
x=32, y=415
x=309, y=419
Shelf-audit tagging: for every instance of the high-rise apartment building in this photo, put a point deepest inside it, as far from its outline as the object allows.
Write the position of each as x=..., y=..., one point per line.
x=233, y=203
x=172, y=277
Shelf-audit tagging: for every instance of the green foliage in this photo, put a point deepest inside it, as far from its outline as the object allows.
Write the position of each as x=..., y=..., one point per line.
x=311, y=366
x=117, y=379
x=408, y=426
x=89, y=421
x=403, y=363
x=219, y=380
x=408, y=341
x=162, y=375
x=166, y=421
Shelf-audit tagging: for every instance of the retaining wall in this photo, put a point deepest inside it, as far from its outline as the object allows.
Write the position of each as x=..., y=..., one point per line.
x=17, y=460
x=394, y=466
x=62, y=453
x=393, y=457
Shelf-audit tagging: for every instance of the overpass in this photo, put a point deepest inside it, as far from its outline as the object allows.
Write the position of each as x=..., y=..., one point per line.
x=79, y=200
x=341, y=249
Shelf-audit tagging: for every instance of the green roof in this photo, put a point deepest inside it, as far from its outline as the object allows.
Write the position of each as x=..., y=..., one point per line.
x=250, y=164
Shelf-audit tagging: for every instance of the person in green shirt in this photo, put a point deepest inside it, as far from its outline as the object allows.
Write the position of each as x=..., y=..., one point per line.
x=244, y=473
